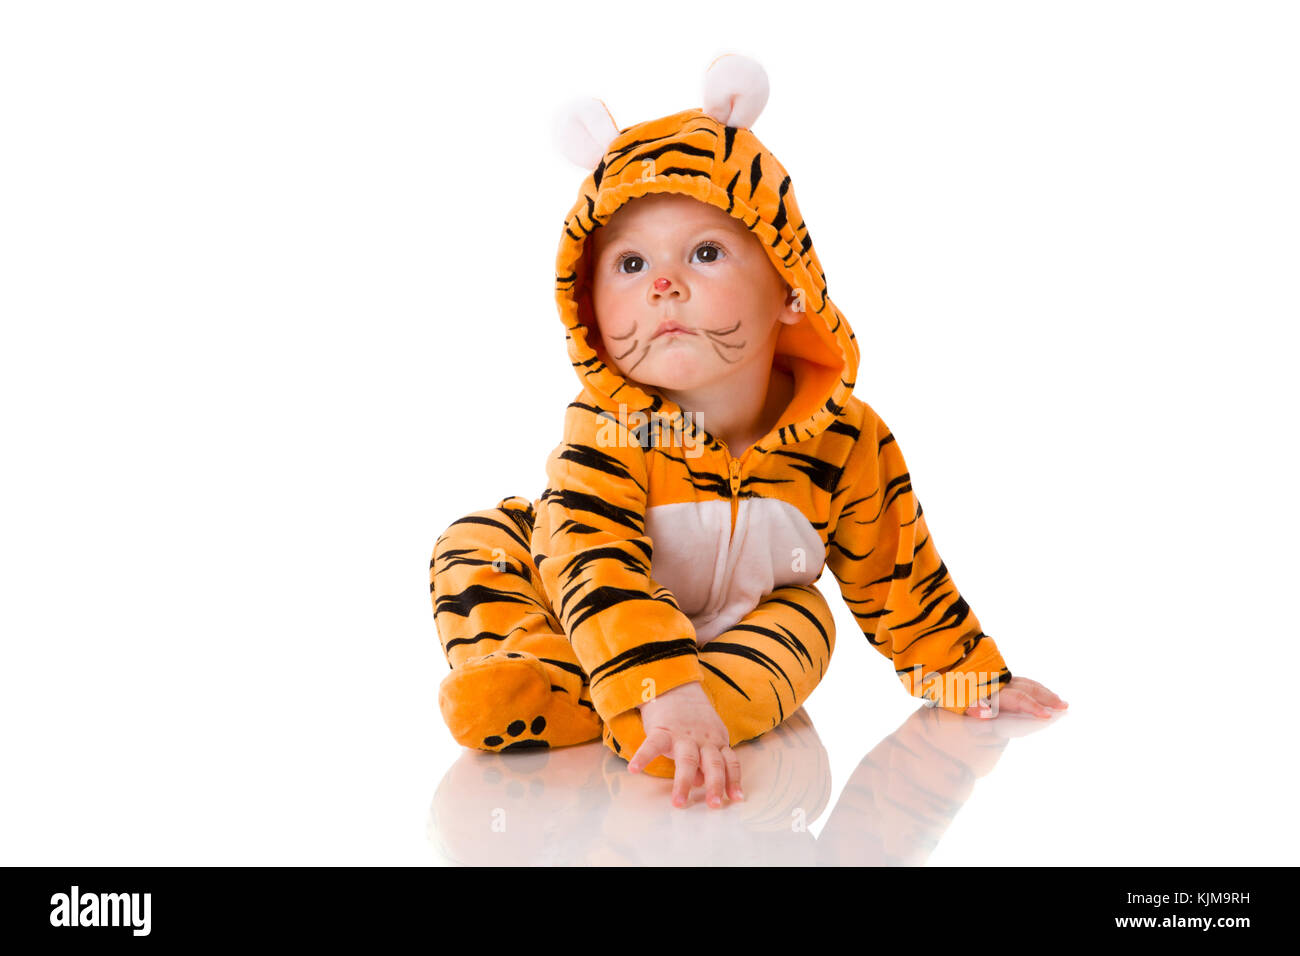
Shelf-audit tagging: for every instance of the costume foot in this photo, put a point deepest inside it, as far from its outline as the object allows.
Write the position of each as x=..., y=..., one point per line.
x=505, y=701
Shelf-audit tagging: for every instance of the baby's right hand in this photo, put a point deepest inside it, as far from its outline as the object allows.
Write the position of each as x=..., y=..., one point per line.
x=682, y=725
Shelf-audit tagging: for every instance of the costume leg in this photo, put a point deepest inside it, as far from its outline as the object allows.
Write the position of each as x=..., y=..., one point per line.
x=515, y=681
x=757, y=673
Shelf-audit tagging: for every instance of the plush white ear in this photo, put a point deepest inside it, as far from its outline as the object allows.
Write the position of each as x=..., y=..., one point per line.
x=735, y=90
x=582, y=130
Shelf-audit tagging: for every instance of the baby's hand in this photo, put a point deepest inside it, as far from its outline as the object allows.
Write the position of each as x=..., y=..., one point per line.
x=1020, y=695
x=682, y=725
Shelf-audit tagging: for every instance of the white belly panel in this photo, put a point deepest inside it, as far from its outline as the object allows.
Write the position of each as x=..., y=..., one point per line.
x=716, y=581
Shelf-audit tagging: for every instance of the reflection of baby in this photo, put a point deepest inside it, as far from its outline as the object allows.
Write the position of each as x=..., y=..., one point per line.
x=680, y=574
x=571, y=807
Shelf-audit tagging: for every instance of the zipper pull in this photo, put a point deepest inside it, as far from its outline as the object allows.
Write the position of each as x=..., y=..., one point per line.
x=735, y=476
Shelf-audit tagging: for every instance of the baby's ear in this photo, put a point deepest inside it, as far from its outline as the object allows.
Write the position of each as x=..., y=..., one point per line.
x=582, y=130
x=794, y=309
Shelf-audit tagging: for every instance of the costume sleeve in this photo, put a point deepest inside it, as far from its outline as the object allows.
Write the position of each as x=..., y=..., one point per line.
x=594, y=556
x=892, y=578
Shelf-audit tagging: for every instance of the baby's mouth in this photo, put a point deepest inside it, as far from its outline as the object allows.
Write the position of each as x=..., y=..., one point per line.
x=670, y=328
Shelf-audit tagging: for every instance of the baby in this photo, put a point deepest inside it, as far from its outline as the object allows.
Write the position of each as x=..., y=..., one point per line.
x=661, y=593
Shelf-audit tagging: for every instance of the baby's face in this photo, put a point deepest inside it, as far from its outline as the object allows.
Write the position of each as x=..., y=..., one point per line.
x=666, y=257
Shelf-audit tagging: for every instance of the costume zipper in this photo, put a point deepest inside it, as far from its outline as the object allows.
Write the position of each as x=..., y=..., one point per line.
x=733, y=480
x=733, y=468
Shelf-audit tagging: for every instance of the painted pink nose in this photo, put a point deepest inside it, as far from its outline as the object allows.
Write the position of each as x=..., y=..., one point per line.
x=661, y=283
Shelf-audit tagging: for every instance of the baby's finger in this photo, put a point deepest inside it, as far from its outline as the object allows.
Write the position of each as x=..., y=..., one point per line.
x=1052, y=700
x=1046, y=698
x=733, y=774
x=686, y=757
x=715, y=774
x=1020, y=702
x=1041, y=693
x=656, y=742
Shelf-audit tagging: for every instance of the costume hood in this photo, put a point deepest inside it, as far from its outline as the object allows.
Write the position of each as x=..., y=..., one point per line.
x=710, y=155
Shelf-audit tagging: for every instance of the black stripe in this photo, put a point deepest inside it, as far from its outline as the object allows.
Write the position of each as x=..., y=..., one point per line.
x=785, y=639
x=480, y=636
x=598, y=460
x=749, y=653
x=673, y=147
x=808, y=614
x=466, y=601
x=731, y=192
x=564, y=666
x=703, y=663
x=820, y=472
x=779, y=222
x=572, y=500
x=600, y=599
x=510, y=529
x=644, y=654
x=680, y=171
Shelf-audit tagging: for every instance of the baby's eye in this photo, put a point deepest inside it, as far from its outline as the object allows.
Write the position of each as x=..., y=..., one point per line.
x=708, y=252
x=630, y=257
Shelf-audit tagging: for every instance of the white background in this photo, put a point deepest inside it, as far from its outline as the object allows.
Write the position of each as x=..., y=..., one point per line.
x=276, y=283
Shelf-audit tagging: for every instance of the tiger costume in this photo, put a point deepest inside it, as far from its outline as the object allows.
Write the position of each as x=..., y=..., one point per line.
x=654, y=558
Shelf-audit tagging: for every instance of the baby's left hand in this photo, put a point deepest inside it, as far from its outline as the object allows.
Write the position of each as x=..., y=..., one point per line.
x=1020, y=695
